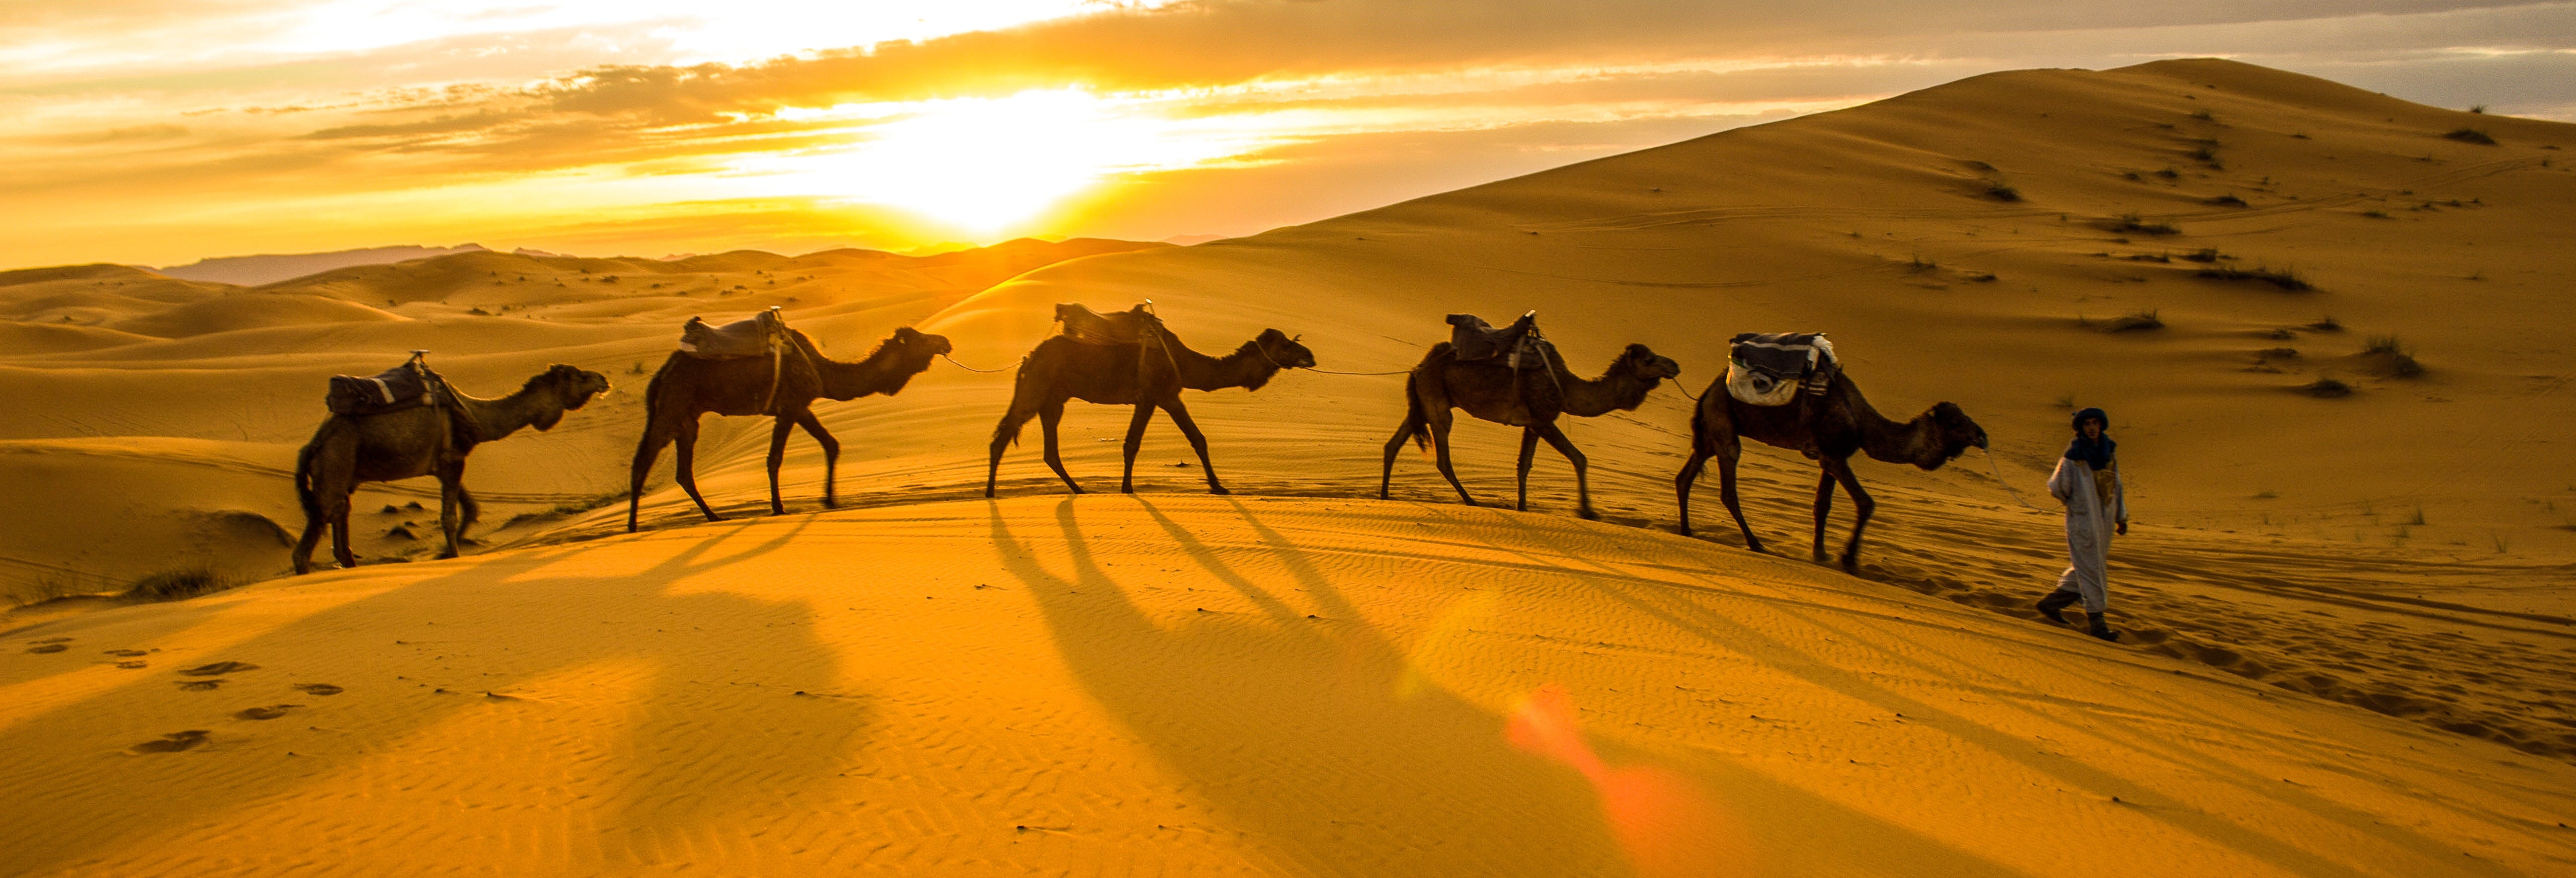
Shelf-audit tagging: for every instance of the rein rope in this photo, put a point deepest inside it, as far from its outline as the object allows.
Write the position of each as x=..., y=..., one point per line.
x=1999, y=479
x=953, y=362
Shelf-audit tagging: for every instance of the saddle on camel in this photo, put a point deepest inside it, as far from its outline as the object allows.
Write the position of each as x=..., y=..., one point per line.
x=1771, y=368
x=1519, y=347
x=760, y=335
x=408, y=386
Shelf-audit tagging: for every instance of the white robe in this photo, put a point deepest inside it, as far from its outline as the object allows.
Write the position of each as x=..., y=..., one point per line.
x=2088, y=529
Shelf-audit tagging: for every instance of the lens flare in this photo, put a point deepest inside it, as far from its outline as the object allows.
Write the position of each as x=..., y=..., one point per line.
x=1662, y=821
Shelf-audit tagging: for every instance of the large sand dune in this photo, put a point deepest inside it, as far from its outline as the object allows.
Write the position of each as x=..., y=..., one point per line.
x=2349, y=632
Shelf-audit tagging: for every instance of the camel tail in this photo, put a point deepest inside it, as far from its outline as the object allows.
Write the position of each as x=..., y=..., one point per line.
x=1414, y=415
x=1009, y=429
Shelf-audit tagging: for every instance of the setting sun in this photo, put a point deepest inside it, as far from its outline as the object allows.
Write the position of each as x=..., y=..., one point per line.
x=984, y=165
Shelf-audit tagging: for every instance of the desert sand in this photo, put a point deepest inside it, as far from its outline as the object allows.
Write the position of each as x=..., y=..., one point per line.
x=2348, y=627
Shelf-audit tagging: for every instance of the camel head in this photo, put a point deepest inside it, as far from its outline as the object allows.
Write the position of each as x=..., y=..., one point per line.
x=1648, y=366
x=1958, y=433
x=1284, y=350
x=916, y=345
x=572, y=387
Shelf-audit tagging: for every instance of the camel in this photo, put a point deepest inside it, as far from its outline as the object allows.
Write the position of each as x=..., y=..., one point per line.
x=1485, y=389
x=687, y=387
x=1061, y=368
x=1828, y=429
x=426, y=441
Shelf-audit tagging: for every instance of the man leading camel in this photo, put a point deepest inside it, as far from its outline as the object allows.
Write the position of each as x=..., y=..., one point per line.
x=2087, y=480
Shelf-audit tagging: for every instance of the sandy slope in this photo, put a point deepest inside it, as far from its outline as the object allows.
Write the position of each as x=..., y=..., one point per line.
x=1197, y=685
x=2299, y=562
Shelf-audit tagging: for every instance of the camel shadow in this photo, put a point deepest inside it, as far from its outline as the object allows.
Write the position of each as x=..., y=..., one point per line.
x=1302, y=729
x=711, y=675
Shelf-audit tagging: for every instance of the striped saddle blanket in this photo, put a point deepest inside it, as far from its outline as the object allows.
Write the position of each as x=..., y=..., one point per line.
x=1769, y=369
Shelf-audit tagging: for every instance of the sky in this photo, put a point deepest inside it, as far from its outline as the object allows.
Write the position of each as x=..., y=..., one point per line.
x=158, y=132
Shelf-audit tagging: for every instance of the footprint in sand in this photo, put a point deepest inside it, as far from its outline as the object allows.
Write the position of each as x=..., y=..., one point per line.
x=318, y=688
x=219, y=668
x=198, y=685
x=132, y=664
x=50, y=647
x=125, y=653
x=270, y=712
x=170, y=743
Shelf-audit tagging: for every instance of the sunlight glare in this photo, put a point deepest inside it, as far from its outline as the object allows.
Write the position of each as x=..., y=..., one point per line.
x=984, y=165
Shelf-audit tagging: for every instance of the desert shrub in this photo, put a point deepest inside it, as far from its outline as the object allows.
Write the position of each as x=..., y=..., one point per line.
x=2001, y=192
x=2204, y=254
x=2130, y=222
x=2327, y=323
x=2285, y=278
x=2375, y=214
x=172, y=585
x=2470, y=135
x=2228, y=201
x=2326, y=388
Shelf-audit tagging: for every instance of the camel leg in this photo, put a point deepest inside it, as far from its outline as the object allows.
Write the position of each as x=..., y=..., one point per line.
x=337, y=511
x=1862, y=506
x=1135, y=442
x=1688, y=479
x=647, y=450
x=778, y=430
x=451, y=482
x=831, y=454
x=1198, y=441
x=1824, y=508
x=468, y=512
x=684, y=463
x=314, y=522
x=1529, y=449
x=1048, y=418
x=1582, y=489
x=1727, y=457
x=1395, y=446
x=1440, y=424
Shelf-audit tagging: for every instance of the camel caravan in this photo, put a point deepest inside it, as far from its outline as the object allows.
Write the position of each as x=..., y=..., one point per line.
x=1784, y=390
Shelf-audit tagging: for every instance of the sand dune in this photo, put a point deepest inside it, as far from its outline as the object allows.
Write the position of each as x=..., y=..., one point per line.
x=2348, y=627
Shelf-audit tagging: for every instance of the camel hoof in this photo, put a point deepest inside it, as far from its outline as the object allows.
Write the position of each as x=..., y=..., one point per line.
x=1587, y=515
x=442, y=556
x=714, y=517
x=1220, y=490
x=829, y=503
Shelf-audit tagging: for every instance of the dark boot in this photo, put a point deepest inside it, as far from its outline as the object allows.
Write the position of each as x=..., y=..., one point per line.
x=2056, y=602
x=2101, y=630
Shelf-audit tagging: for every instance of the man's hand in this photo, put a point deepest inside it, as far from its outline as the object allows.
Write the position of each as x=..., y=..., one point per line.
x=2123, y=529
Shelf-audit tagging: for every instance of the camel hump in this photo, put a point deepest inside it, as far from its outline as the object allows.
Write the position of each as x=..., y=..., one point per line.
x=1769, y=369
x=1087, y=326
x=759, y=335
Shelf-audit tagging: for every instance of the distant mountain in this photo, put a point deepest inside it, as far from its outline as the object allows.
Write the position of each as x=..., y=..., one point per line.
x=269, y=268
x=1187, y=240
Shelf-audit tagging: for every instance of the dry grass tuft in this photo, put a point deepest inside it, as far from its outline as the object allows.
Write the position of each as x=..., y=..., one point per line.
x=2326, y=388
x=175, y=585
x=2470, y=135
x=2141, y=321
x=2130, y=222
x=2285, y=278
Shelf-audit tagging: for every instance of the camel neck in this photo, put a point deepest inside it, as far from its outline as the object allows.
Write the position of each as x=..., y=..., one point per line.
x=881, y=371
x=1616, y=390
x=1246, y=367
x=1911, y=441
x=498, y=418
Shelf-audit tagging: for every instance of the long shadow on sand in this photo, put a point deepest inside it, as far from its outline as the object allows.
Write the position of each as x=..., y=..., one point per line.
x=1299, y=731
x=718, y=666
